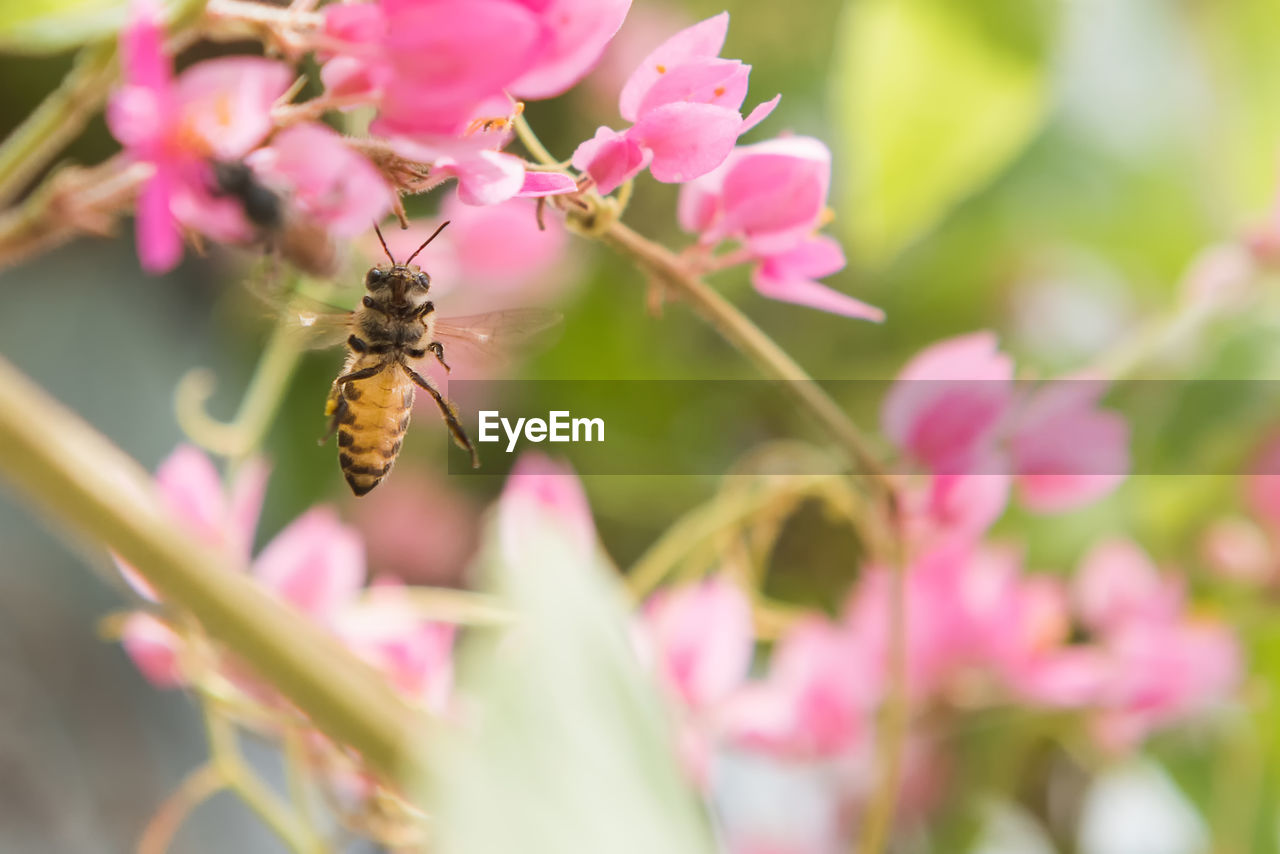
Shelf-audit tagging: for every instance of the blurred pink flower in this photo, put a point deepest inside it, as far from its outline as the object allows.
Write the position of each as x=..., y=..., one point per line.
x=315, y=564
x=955, y=409
x=1117, y=584
x=574, y=35
x=192, y=490
x=544, y=498
x=955, y=505
x=702, y=639
x=500, y=249
x=333, y=185
x=1068, y=452
x=416, y=654
x=154, y=649
x=1262, y=485
x=949, y=401
x=418, y=528
x=684, y=102
x=219, y=108
x=818, y=699
x=1164, y=672
x=1238, y=549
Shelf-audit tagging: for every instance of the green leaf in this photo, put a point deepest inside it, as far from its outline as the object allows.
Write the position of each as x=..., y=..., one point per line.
x=568, y=748
x=54, y=26
x=936, y=98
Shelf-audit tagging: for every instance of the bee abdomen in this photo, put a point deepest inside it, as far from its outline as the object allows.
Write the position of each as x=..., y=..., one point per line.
x=371, y=429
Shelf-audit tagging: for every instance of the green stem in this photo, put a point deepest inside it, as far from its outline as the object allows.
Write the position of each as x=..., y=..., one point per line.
x=258, y=408
x=531, y=143
x=61, y=464
x=57, y=121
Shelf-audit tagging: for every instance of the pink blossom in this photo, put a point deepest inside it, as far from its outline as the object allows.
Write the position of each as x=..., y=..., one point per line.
x=702, y=639
x=330, y=183
x=1117, y=584
x=485, y=175
x=575, y=33
x=1068, y=452
x=315, y=564
x=191, y=489
x=771, y=197
x=544, y=498
x=219, y=108
x=416, y=654
x=955, y=409
x=948, y=403
x=684, y=102
x=1238, y=549
x=154, y=649
x=956, y=505
x=817, y=700
x=1262, y=485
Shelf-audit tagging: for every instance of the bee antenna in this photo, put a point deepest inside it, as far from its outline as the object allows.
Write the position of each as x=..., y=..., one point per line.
x=383, y=241
x=433, y=236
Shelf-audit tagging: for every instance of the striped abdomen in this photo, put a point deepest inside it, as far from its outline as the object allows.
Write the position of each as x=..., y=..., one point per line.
x=373, y=414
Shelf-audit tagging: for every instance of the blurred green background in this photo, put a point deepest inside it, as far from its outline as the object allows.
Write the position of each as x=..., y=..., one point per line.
x=1046, y=170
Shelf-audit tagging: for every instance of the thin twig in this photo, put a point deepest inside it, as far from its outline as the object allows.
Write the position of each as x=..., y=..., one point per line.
x=200, y=785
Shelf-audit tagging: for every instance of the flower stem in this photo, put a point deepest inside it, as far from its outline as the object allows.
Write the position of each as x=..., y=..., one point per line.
x=57, y=121
x=531, y=143
x=78, y=477
x=243, y=435
x=200, y=785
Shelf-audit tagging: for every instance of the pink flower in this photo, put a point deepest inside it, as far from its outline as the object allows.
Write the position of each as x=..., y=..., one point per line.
x=191, y=489
x=1117, y=584
x=684, y=102
x=315, y=564
x=544, y=499
x=416, y=654
x=1238, y=549
x=574, y=35
x=216, y=109
x=485, y=175
x=1066, y=451
x=947, y=404
x=955, y=409
x=154, y=649
x=818, y=699
x=702, y=640
x=771, y=198
x=329, y=183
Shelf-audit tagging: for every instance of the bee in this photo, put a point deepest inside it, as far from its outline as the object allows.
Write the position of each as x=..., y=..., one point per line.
x=370, y=401
x=305, y=243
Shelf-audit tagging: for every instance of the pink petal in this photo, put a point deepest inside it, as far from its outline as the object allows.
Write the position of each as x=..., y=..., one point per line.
x=575, y=33
x=542, y=496
x=703, y=39
x=143, y=59
x=610, y=158
x=154, y=649
x=1238, y=549
x=416, y=655
x=1262, y=484
x=686, y=140
x=357, y=23
x=226, y=102
x=157, y=236
x=1117, y=583
x=789, y=277
x=948, y=403
x=704, y=80
x=967, y=504
x=447, y=58
x=1072, y=677
x=347, y=76
x=141, y=119
x=332, y=184
x=775, y=197
x=537, y=184
x=315, y=564
x=500, y=247
x=1066, y=451
x=760, y=113
x=487, y=178
x=191, y=489
x=698, y=207
x=703, y=639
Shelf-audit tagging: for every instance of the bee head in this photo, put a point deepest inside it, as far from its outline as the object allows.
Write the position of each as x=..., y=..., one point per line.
x=398, y=285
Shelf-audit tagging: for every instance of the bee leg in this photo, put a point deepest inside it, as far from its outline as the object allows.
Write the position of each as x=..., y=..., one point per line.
x=450, y=413
x=425, y=309
x=362, y=374
x=336, y=408
x=438, y=348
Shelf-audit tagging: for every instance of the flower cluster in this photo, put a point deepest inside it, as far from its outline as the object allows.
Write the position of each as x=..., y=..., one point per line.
x=316, y=565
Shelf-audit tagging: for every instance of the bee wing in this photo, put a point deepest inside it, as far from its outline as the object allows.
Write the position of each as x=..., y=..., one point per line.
x=497, y=336
x=317, y=324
